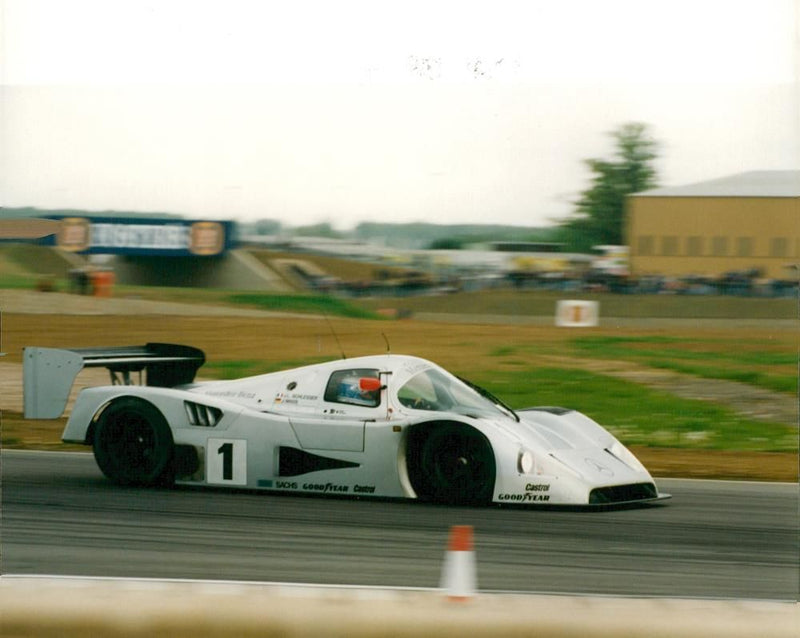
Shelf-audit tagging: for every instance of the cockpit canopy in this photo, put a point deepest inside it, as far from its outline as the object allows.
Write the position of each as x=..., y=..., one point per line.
x=435, y=390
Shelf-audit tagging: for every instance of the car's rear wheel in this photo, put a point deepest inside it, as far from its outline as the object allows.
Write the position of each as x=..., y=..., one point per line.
x=132, y=443
x=452, y=463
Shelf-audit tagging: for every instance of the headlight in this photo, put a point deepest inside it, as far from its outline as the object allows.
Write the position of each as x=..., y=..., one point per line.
x=525, y=462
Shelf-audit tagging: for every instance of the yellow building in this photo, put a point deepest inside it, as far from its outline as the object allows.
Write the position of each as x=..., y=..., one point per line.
x=737, y=223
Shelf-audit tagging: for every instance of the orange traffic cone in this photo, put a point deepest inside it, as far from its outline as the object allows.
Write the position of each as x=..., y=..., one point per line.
x=458, y=574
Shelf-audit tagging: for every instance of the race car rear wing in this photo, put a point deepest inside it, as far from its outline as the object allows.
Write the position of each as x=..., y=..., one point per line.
x=48, y=373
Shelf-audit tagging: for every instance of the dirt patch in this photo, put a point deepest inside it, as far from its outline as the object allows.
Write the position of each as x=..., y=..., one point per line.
x=719, y=464
x=28, y=228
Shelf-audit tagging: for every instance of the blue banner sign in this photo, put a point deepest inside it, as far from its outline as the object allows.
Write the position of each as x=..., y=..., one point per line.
x=138, y=236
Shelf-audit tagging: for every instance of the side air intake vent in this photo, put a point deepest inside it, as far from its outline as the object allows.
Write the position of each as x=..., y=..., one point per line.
x=293, y=462
x=202, y=415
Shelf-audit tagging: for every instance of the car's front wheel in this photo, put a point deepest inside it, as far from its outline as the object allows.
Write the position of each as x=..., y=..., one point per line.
x=452, y=463
x=132, y=443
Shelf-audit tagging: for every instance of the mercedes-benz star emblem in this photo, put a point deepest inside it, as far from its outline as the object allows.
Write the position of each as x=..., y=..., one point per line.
x=599, y=467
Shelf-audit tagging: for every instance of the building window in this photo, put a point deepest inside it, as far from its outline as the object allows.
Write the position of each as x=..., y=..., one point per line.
x=779, y=247
x=646, y=245
x=744, y=246
x=719, y=246
x=694, y=246
x=669, y=246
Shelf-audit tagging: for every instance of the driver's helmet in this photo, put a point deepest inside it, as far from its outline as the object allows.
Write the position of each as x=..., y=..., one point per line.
x=350, y=391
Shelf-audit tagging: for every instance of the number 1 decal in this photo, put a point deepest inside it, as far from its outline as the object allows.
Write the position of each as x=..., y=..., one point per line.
x=226, y=462
x=226, y=449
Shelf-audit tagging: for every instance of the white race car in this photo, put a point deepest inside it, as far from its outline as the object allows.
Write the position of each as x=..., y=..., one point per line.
x=389, y=426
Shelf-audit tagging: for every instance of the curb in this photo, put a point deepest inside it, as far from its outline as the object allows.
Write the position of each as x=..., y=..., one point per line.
x=67, y=606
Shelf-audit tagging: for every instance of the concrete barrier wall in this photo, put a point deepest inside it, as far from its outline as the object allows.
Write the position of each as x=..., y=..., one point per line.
x=64, y=607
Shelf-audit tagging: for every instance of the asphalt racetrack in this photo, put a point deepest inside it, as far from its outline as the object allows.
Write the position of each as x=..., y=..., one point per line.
x=714, y=539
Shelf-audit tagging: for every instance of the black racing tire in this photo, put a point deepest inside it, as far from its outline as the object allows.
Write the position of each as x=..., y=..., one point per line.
x=133, y=443
x=452, y=463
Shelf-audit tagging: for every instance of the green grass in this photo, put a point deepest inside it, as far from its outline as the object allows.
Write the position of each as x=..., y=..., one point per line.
x=504, y=351
x=785, y=383
x=751, y=361
x=639, y=415
x=751, y=352
x=317, y=304
x=26, y=282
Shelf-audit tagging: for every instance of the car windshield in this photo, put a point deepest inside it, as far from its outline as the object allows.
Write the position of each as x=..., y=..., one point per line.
x=435, y=390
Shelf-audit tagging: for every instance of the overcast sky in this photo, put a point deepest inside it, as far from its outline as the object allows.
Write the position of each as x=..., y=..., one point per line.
x=346, y=111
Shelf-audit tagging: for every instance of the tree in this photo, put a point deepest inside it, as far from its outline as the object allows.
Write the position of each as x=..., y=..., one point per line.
x=446, y=243
x=600, y=211
x=323, y=229
x=267, y=227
